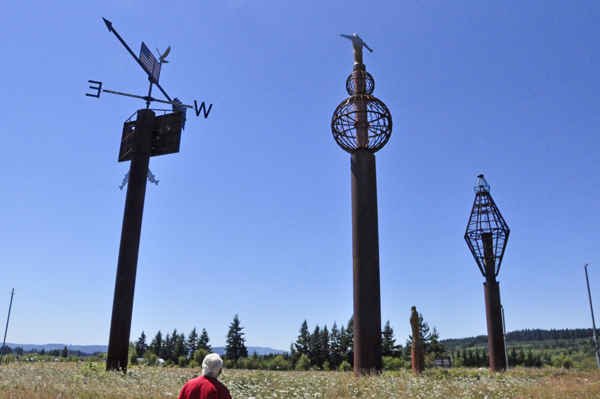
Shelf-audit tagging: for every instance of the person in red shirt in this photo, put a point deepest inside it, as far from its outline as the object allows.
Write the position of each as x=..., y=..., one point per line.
x=206, y=386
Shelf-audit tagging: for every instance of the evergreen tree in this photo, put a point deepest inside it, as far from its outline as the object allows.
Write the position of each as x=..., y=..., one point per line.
x=235, y=347
x=325, y=349
x=156, y=344
x=167, y=348
x=520, y=357
x=141, y=346
x=179, y=347
x=335, y=347
x=5, y=350
x=192, y=343
x=301, y=346
x=512, y=357
x=347, y=342
x=388, y=342
x=203, y=341
x=315, y=347
x=65, y=352
x=434, y=344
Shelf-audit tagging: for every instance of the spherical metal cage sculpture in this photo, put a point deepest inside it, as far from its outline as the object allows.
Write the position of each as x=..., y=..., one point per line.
x=360, y=82
x=361, y=121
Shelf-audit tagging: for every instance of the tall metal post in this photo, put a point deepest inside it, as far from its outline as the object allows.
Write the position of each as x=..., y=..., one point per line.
x=504, y=330
x=365, y=256
x=493, y=307
x=593, y=321
x=7, y=319
x=362, y=125
x=120, y=326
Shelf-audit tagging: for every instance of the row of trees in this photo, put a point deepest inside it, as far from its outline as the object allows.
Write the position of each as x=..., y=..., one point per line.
x=19, y=351
x=176, y=348
x=526, y=335
x=334, y=349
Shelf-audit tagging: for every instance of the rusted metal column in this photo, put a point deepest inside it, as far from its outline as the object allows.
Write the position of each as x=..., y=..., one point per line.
x=493, y=308
x=120, y=326
x=365, y=254
x=417, y=352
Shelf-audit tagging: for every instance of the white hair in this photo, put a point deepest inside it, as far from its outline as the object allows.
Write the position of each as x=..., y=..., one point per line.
x=211, y=365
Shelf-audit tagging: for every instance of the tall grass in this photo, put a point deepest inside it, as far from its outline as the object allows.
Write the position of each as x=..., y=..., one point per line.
x=89, y=380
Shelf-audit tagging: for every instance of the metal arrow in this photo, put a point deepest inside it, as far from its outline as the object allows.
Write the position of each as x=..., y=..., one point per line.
x=111, y=29
x=147, y=98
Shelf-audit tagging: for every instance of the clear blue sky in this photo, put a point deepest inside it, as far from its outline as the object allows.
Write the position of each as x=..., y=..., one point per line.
x=253, y=215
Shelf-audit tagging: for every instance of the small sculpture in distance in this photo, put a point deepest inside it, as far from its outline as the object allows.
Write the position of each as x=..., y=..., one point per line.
x=417, y=349
x=414, y=324
x=357, y=44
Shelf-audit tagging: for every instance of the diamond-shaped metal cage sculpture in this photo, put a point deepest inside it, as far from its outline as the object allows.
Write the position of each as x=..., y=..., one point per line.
x=486, y=219
x=361, y=121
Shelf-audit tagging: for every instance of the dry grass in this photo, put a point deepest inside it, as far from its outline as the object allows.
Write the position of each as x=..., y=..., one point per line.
x=56, y=380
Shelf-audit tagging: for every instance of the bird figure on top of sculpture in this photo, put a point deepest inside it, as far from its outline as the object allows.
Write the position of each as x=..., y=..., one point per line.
x=357, y=44
x=162, y=57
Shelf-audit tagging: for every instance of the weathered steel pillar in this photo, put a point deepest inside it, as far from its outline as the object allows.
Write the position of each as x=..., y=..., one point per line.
x=365, y=257
x=493, y=308
x=417, y=352
x=120, y=326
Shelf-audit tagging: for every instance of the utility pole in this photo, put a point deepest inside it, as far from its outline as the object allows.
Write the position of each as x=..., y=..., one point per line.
x=593, y=321
x=8, y=318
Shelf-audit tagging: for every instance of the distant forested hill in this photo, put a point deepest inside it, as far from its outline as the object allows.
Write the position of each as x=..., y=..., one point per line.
x=522, y=336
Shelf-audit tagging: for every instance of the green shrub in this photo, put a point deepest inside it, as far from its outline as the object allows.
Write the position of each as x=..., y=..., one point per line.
x=183, y=361
x=345, y=366
x=568, y=363
x=199, y=355
x=326, y=366
x=152, y=358
x=193, y=364
x=133, y=356
x=392, y=363
x=303, y=363
x=279, y=363
x=248, y=363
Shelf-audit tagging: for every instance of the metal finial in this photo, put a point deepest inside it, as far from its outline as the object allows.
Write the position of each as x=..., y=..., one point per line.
x=481, y=185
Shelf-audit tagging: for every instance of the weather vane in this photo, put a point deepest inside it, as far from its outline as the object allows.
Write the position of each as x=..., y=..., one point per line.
x=144, y=135
x=152, y=67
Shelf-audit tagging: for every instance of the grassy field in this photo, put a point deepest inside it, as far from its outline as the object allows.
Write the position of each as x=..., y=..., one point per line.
x=89, y=380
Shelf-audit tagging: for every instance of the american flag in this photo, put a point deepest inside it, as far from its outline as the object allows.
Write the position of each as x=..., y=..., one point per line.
x=149, y=63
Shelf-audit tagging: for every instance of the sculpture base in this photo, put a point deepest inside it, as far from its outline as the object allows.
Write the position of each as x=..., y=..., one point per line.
x=417, y=352
x=358, y=66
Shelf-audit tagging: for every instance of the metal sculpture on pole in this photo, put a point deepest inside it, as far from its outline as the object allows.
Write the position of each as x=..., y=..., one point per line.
x=486, y=235
x=362, y=125
x=145, y=136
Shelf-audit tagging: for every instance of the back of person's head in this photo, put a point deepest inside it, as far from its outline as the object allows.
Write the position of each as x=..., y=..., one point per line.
x=211, y=365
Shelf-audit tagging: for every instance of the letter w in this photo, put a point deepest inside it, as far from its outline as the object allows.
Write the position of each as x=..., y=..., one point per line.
x=202, y=108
